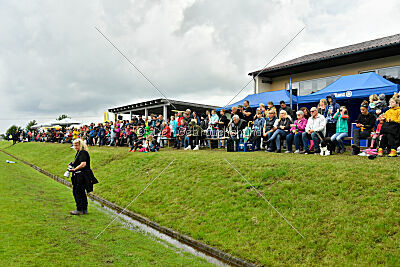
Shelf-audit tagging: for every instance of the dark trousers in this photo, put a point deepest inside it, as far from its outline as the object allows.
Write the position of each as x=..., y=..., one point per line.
x=78, y=190
x=257, y=141
x=388, y=141
x=330, y=129
x=101, y=141
x=357, y=135
x=194, y=141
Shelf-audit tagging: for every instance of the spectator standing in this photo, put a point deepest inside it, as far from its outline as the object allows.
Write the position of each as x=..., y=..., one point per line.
x=286, y=108
x=101, y=134
x=330, y=111
x=322, y=106
x=247, y=111
x=259, y=124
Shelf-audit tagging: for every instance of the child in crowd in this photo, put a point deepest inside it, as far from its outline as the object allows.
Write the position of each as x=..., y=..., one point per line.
x=390, y=128
x=213, y=124
x=247, y=132
x=258, y=129
x=381, y=105
x=270, y=107
x=150, y=144
x=342, y=129
x=372, y=102
x=377, y=136
x=322, y=106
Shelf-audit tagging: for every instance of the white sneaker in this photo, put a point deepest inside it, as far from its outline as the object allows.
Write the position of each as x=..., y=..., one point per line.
x=287, y=152
x=363, y=154
x=196, y=148
x=188, y=148
x=297, y=152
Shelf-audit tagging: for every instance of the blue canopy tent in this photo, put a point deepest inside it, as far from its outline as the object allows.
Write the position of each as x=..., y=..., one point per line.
x=354, y=87
x=256, y=99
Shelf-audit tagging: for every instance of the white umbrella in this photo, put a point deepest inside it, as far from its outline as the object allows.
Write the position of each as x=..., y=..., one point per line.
x=48, y=124
x=67, y=122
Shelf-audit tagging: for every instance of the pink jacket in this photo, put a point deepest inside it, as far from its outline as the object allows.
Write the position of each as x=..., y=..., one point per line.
x=300, y=125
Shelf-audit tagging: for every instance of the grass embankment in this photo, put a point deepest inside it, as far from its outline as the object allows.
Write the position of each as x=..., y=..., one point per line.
x=4, y=144
x=346, y=207
x=36, y=229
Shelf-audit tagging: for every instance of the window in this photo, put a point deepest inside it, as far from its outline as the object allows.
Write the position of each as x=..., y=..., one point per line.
x=392, y=73
x=311, y=86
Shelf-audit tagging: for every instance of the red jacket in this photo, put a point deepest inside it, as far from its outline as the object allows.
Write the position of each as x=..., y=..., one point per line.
x=166, y=132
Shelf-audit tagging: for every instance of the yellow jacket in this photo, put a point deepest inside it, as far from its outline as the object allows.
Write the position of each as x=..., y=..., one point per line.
x=393, y=114
x=75, y=134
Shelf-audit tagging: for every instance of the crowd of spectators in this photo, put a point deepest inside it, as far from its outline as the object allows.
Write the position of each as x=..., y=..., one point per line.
x=267, y=127
x=271, y=129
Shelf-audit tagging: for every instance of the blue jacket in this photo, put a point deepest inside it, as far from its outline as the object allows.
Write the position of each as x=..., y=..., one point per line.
x=259, y=124
x=334, y=107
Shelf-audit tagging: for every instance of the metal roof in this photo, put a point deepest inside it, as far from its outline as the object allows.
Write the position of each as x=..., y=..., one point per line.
x=385, y=42
x=157, y=103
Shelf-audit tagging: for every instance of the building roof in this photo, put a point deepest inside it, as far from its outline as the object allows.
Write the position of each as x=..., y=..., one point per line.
x=345, y=51
x=157, y=104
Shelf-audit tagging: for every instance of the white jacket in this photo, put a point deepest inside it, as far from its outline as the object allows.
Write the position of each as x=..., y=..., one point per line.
x=318, y=124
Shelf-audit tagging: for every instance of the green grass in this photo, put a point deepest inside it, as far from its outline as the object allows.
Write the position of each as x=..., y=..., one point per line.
x=4, y=144
x=346, y=207
x=36, y=229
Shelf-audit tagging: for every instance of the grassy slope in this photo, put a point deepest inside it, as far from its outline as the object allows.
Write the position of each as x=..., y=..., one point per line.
x=36, y=229
x=346, y=207
x=4, y=144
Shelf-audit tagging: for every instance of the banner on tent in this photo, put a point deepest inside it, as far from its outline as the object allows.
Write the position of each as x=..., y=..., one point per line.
x=344, y=94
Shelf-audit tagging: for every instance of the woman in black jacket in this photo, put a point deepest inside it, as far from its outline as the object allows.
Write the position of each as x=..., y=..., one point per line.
x=282, y=126
x=82, y=177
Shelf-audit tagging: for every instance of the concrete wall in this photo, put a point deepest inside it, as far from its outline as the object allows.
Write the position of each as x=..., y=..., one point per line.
x=262, y=87
x=279, y=83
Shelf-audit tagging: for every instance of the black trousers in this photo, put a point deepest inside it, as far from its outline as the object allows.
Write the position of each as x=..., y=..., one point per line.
x=78, y=190
x=330, y=129
x=195, y=140
x=357, y=135
x=388, y=141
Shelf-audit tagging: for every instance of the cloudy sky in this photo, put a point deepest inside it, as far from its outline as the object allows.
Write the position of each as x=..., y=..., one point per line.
x=53, y=61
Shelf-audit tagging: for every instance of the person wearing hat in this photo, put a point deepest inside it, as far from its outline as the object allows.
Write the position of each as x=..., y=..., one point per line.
x=365, y=123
